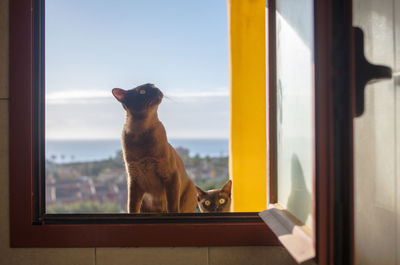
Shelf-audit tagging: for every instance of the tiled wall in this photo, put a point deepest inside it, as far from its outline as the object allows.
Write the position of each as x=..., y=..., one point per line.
x=103, y=256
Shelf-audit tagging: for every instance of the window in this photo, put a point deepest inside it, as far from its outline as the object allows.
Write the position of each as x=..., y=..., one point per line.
x=333, y=100
x=77, y=95
x=32, y=228
x=243, y=228
x=93, y=47
x=291, y=126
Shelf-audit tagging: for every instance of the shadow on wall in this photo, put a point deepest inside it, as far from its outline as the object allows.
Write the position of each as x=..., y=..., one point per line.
x=299, y=202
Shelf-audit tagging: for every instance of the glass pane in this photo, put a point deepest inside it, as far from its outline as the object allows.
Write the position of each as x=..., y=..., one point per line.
x=94, y=46
x=376, y=144
x=295, y=105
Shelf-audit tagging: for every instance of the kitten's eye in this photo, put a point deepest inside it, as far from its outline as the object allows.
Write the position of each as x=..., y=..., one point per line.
x=207, y=203
x=221, y=201
x=142, y=91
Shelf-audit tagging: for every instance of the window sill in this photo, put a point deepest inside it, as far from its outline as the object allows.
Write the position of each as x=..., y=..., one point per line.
x=174, y=234
x=292, y=234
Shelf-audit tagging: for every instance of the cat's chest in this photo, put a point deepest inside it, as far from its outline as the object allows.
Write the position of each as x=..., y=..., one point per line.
x=146, y=172
x=146, y=158
x=139, y=146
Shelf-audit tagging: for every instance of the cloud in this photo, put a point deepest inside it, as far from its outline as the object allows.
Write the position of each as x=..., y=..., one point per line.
x=83, y=96
x=95, y=114
x=86, y=96
x=198, y=94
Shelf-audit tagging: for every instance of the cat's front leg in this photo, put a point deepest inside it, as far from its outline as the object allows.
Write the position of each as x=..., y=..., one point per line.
x=135, y=197
x=173, y=193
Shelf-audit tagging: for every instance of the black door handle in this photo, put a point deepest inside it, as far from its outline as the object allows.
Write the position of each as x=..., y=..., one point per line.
x=365, y=71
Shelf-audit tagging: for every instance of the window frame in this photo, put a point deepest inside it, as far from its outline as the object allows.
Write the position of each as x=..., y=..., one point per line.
x=333, y=205
x=31, y=227
x=334, y=224
x=298, y=239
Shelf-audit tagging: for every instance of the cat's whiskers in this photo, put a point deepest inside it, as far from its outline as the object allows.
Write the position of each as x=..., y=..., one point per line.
x=169, y=98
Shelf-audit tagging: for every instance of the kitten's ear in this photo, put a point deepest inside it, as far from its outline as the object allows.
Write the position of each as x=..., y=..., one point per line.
x=200, y=192
x=227, y=187
x=119, y=94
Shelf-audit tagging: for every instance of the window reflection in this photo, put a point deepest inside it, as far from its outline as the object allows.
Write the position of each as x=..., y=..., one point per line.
x=295, y=101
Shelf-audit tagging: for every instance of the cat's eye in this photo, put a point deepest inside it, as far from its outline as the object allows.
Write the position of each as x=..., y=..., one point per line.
x=142, y=91
x=207, y=203
x=221, y=201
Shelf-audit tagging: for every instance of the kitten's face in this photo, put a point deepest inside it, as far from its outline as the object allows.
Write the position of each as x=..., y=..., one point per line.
x=139, y=99
x=217, y=200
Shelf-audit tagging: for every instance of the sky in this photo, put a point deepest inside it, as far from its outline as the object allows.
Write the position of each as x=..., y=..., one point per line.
x=93, y=46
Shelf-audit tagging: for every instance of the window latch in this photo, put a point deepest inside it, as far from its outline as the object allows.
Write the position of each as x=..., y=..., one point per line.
x=366, y=73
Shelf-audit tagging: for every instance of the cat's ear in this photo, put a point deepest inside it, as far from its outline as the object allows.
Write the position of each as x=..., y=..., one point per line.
x=119, y=94
x=227, y=187
x=200, y=192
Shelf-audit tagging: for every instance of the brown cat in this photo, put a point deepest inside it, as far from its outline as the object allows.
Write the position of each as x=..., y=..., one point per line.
x=156, y=175
x=217, y=200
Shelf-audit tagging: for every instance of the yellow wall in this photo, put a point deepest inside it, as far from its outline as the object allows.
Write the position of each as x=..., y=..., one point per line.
x=248, y=105
x=102, y=256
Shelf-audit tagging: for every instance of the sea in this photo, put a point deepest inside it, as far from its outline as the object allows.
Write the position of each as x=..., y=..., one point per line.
x=67, y=151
